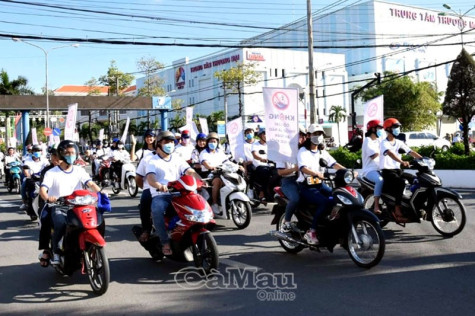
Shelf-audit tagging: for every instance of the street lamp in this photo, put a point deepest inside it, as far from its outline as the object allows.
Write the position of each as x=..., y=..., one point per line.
x=459, y=15
x=46, y=68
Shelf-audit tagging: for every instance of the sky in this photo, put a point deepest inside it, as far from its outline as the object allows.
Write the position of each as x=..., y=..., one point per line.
x=163, y=22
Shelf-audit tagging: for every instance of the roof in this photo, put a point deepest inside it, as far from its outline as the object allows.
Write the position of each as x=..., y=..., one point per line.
x=85, y=90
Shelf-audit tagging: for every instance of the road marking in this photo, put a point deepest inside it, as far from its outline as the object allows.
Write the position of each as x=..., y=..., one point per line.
x=111, y=229
x=237, y=264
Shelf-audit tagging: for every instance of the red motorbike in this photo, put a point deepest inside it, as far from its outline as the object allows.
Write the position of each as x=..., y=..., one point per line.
x=102, y=177
x=187, y=223
x=82, y=246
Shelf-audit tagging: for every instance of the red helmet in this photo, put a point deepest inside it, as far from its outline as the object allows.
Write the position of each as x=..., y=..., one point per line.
x=390, y=122
x=373, y=123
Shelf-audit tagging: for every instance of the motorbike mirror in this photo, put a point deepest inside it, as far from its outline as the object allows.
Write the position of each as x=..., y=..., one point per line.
x=323, y=163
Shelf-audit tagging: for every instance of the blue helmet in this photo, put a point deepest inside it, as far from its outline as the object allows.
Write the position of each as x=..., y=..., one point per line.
x=201, y=136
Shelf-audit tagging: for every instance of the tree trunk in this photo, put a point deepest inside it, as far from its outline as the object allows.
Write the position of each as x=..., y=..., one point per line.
x=466, y=143
x=339, y=139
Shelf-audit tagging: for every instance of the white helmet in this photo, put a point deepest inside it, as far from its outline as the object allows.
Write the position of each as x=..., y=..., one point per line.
x=315, y=128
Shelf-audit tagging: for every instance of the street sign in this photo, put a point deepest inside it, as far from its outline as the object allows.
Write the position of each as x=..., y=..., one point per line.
x=56, y=131
x=47, y=131
x=161, y=103
x=221, y=128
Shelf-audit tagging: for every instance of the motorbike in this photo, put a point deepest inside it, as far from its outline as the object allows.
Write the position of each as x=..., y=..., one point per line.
x=349, y=224
x=32, y=196
x=14, y=182
x=424, y=198
x=187, y=222
x=102, y=177
x=82, y=246
x=234, y=203
x=253, y=190
x=126, y=180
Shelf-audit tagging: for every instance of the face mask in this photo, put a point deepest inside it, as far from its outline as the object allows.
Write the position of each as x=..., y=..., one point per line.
x=396, y=131
x=212, y=146
x=379, y=132
x=36, y=155
x=168, y=148
x=121, y=147
x=316, y=139
x=70, y=159
x=248, y=136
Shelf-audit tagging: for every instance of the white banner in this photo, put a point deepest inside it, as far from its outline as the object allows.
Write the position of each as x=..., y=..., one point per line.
x=204, y=125
x=373, y=110
x=235, y=138
x=70, y=125
x=189, y=115
x=126, y=130
x=281, y=122
x=34, y=136
x=101, y=134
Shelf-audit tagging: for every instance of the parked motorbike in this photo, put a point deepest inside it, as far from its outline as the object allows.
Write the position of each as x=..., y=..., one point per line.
x=14, y=182
x=351, y=225
x=424, y=198
x=187, y=223
x=126, y=180
x=234, y=203
x=82, y=246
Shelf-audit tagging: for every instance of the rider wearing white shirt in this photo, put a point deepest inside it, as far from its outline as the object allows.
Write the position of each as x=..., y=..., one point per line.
x=371, y=158
x=390, y=164
x=145, y=205
x=248, y=142
x=263, y=173
x=185, y=148
x=119, y=157
x=161, y=169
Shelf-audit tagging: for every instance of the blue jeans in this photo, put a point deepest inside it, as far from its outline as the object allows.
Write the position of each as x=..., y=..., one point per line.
x=160, y=204
x=376, y=177
x=59, y=224
x=291, y=190
x=319, y=195
x=23, y=189
x=145, y=210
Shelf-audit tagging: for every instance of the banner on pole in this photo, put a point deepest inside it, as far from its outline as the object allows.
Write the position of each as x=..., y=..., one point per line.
x=70, y=125
x=373, y=110
x=101, y=134
x=34, y=136
x=281, y=121
x=235, y=138
x=204, y=125
x=126, y=129
x=189, y=115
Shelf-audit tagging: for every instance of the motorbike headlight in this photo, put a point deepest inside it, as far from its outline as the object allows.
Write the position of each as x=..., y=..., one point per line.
x=348, y=177
x=430, y=163
x=83, y=200
x=344, y=199
x=199, y=216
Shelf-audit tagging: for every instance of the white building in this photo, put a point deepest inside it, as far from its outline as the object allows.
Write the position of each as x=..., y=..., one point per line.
x=194, y=82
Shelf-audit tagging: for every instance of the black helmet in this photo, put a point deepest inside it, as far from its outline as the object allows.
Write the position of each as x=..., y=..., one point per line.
x=36, y=148
x=65, y=144
x=98, y=142
x=165, y=135
x=149, y=132
x=52, y=149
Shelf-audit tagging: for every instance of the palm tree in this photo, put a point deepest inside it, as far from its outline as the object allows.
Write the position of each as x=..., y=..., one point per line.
x=337, y=115
x=14, y=87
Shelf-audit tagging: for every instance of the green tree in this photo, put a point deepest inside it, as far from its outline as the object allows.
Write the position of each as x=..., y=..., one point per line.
x=213, y=119
x=93, y=86
x=179, y=120
x=337, y=115
x=116, y=77
x=235, y=78
x=17, y=86
x=460, y=94
x=153, y=84
x=414, y=104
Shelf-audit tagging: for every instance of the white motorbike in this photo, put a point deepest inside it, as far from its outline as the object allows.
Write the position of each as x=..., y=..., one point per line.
x=126, y=181
x=233, y=201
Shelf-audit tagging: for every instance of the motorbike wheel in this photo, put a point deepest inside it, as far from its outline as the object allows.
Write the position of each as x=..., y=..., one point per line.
x=17, y=186
x=241, y=213
x=115, y=190
x=448, y=216
x=97, y=266
x=369, y=203
x=132, y=186
x=205, y=253
x=289, y=246
x=9, y=187
x=366, y=243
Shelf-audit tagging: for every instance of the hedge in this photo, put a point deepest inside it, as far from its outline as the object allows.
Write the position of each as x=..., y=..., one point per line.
x=452, y=159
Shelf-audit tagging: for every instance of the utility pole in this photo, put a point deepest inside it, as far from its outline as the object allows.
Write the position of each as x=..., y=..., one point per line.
x=462, y=23
x=225, y=106
x=311, y=71
x=355, y=92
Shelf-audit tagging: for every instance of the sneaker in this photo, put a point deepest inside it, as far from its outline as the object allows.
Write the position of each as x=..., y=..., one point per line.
x=23, y=207
x=56, y=259
x=287, y=227
x=217, y=213
x=311, y=237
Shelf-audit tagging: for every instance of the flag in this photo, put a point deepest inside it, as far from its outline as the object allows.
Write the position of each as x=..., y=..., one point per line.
x=373, y=110
x=70, y=125
x=235, y=138
x=204, y=125
x=126, y=129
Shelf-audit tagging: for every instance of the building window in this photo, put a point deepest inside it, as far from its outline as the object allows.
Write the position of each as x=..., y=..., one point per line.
x=102, y=113
x=276, y=72
x=270, y=72
x=283, y=73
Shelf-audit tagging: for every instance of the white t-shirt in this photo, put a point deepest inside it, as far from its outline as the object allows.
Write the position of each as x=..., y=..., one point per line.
x=120, y=155
x=36, y=166
x=62, y=183
x=248, y=150
x=370, y=147
x=386, y=162
x=256, y=147
x=141, y=152
x=214, y=159
x=9, y=159
x=286, y=165
x=311, y=159
x=142, y=168
x=166, y=170
x=100, y=152
x=184, y=151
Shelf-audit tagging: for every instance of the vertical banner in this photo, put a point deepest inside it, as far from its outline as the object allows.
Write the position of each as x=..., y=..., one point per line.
x=126, y=129
x=235, y=138
x=70, y=125
x=281, y=121
x=373, y=110
x=101, y=134
x=204, y=125
x=17, y=128
x=34, y=137
x=189, y=115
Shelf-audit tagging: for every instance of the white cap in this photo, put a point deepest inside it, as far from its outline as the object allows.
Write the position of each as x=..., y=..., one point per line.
x=315, y=128
x=302, y=129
